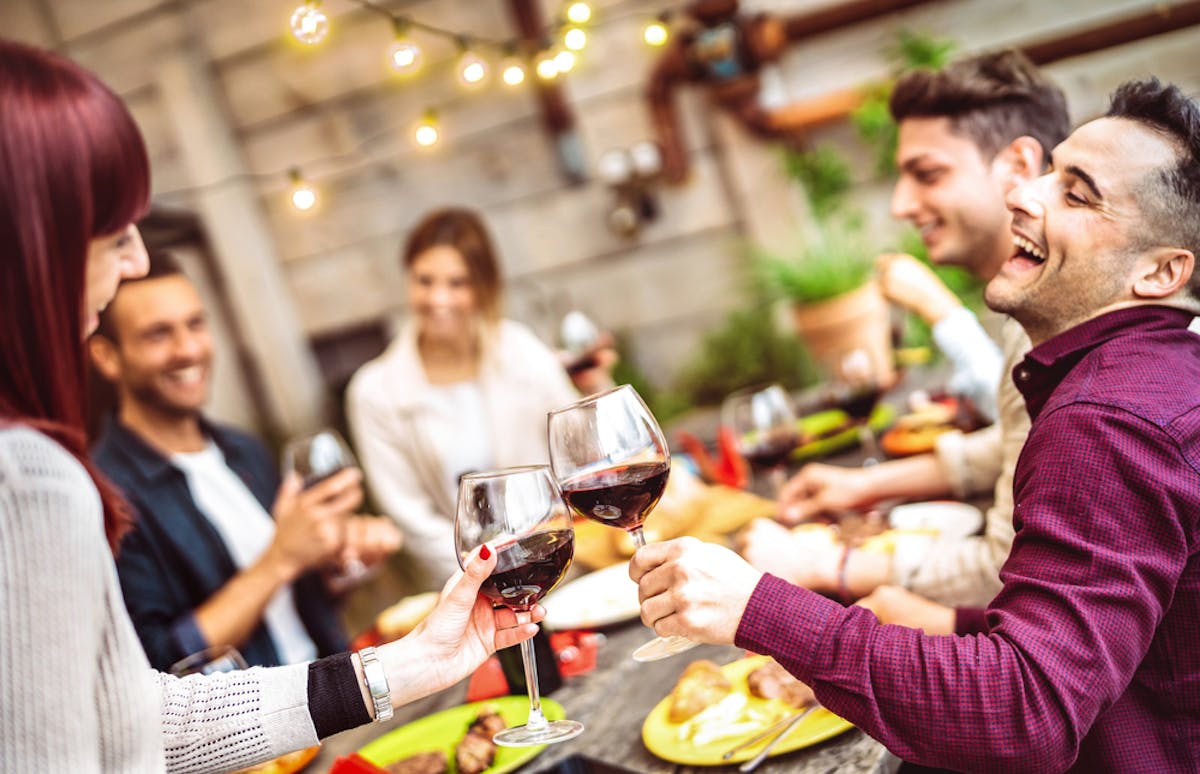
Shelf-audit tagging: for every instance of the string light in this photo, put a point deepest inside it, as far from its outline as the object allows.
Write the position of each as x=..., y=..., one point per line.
x=472, y=69
x=309, y=23
x=303, y=197
x=404, y=56
x=574, y=39
x=545, y=66
x=426, y=133
x=579, y=13
x=656, y=33
x=564, y=60
x=513, y=73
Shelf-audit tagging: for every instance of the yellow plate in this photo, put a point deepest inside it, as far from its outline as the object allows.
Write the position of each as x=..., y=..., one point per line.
x=443, y=730
x=662, y=737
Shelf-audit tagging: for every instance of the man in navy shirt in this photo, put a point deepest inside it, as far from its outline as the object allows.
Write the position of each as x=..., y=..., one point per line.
x=221, y=553
x=1086, y=660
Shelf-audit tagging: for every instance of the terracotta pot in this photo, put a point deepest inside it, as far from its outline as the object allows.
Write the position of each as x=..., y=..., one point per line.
x=855, y=320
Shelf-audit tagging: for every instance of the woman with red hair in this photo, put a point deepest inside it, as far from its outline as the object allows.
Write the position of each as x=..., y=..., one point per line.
x=76, y=690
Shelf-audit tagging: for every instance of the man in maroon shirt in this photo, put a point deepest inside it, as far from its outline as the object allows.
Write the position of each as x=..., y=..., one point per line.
x=1087, y=659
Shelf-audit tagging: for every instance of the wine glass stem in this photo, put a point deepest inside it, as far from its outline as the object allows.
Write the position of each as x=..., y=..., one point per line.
x=776, y=478
x=639, y=539
x=866, y=437
x=536, y=719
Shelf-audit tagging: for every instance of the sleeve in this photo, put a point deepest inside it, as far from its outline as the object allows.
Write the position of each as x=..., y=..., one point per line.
x=53, y=577
x=230, y=720
x=392, y=477
x=977, y=360
x=167, y=633
x=1083, y=592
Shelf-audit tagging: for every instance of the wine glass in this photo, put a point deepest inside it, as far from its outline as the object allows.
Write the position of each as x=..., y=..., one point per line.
x=315, y=457
x=612, y=462
x=763, y=420
x=218, y=658
x=859, y=392
x=520, y=514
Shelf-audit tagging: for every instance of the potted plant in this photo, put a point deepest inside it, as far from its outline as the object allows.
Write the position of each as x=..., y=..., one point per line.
x=837, y=308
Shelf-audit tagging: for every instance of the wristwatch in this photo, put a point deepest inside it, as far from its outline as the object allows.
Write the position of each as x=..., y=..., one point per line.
x=377, y=685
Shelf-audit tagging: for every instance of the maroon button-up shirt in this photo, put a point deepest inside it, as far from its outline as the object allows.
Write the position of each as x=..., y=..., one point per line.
x=1091, y=661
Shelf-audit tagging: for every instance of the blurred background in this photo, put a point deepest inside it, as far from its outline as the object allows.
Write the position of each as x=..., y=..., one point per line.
x=287, y=175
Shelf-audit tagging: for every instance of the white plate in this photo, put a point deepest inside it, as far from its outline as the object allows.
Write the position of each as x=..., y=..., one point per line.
x=599, y=598
x=952, y=520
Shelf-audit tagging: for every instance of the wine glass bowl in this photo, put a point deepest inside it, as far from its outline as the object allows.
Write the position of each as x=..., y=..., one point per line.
x=519, y=513
x=765, y=429
x=612, y=461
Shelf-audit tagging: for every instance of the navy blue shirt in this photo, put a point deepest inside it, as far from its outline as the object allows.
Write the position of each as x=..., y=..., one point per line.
x=174, y=560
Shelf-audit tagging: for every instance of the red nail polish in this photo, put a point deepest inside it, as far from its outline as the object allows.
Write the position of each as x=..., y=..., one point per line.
x=484, y=553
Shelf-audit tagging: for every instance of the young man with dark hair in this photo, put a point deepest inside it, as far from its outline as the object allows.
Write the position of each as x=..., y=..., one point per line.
x=221, y=553
x=968, y=134
x=1086, y=660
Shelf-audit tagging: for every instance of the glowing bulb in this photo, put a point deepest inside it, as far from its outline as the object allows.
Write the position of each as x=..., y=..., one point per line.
x=564, y=61
x=426, y=133
x=575, y=39
x=309, y=23
x=471, y=68
x=546, y=67
x=579, y=13
x=303, y=197
x=514, y=73
x=655, y=33
x=404, y=56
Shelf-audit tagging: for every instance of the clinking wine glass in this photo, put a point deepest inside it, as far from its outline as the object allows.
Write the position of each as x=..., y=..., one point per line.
x=764, y=424
x=612, y=462
x=316, y=457
x=519, y=512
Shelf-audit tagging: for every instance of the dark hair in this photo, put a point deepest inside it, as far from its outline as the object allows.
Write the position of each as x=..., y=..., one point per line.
x=73, y=167
x=1171, y=201
x=162, y=264
x=992, y=99
x=463, y=230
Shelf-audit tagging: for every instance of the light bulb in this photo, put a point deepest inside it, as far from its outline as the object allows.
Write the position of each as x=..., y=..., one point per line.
x=564, y=61
x=546, y=67
x=514, y=72
x=309, y=23
x=575, y=39
x=426, y=133
x=579, y=13
x=303, y=197
x=472, y=70
x=404, y=56
x=656, y=33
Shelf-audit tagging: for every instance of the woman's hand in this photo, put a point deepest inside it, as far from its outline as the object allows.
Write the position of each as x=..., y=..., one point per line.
x=461, y=632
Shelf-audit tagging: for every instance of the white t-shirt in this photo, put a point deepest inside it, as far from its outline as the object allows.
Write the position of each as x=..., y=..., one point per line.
x=246, y=529
x=469, y=448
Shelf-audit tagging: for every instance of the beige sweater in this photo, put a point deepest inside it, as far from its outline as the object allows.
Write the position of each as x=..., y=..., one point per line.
x=76, y=691
x=393, y=421
x=967, y=573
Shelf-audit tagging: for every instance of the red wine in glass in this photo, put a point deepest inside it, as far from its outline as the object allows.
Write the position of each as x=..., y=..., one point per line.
x=620, y=496
x=771, y=452
x=529, y=567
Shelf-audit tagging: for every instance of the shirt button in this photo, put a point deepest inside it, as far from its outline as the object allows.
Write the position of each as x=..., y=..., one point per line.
x=1023, y=374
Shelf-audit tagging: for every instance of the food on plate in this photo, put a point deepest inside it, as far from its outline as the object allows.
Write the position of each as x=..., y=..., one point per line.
x=928, y=417
x=476, y=751
x=701, y=685
x=771, y=681
x=402, y=617
x=433, y=762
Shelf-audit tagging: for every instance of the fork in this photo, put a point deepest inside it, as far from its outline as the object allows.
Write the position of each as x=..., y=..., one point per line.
x=785, y=723
x=754, y=762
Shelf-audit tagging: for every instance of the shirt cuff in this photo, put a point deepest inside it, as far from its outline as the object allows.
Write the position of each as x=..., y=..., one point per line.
x=970, y=620
x=788, y=623
x=187, y=636
x=334, y=698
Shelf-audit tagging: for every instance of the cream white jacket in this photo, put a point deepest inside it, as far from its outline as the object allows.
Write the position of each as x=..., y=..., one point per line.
x=393, y=419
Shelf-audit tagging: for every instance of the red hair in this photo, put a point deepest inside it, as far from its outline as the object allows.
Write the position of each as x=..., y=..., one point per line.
x=73, y=167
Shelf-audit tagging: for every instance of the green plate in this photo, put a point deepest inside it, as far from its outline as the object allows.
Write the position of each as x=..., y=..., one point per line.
x=443, y=730
x=823, y=421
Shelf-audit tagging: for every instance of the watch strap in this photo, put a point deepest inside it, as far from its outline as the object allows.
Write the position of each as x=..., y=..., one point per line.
x=375, y=678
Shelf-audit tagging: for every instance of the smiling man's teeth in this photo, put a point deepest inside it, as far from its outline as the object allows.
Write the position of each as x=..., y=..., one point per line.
x=191, y=374
x=1029, y=247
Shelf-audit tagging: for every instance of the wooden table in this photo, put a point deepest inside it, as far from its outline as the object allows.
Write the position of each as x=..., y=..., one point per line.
x=613, y=700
